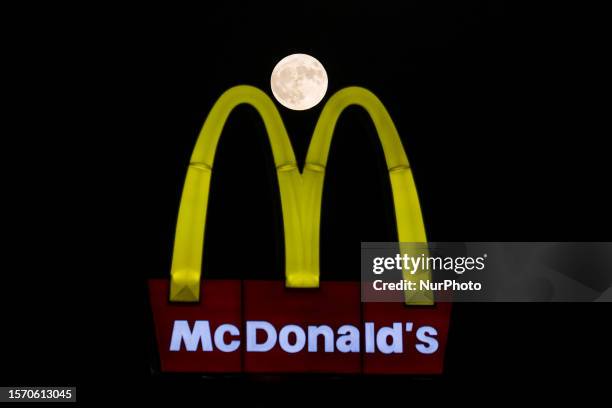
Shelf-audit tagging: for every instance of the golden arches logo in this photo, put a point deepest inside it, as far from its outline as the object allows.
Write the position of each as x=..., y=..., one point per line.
x=301, y=192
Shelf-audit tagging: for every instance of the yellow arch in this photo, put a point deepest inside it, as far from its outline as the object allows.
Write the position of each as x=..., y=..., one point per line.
x=301, y=193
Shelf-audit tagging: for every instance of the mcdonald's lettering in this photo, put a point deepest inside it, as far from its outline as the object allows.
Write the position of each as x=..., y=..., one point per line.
x=304, y=324
x=262, y=336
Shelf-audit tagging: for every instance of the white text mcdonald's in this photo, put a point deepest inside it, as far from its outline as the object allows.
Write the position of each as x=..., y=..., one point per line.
x=304, y=323
x=262, y=336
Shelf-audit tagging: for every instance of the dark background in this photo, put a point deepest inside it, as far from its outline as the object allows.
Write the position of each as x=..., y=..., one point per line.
x=498, y=108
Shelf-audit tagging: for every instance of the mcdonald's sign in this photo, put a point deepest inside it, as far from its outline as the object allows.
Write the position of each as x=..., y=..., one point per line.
x=303, y=324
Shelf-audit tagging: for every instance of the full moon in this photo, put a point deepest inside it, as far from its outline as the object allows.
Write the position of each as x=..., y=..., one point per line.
x=299, y=82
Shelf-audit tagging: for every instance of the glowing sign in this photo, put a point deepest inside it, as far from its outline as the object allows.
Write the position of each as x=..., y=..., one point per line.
x=259, y=326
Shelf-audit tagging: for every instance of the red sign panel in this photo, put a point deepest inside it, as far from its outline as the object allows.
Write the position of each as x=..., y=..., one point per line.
x=264, y=327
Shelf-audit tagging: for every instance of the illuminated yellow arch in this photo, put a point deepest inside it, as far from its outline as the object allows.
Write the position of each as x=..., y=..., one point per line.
x=301, y=193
